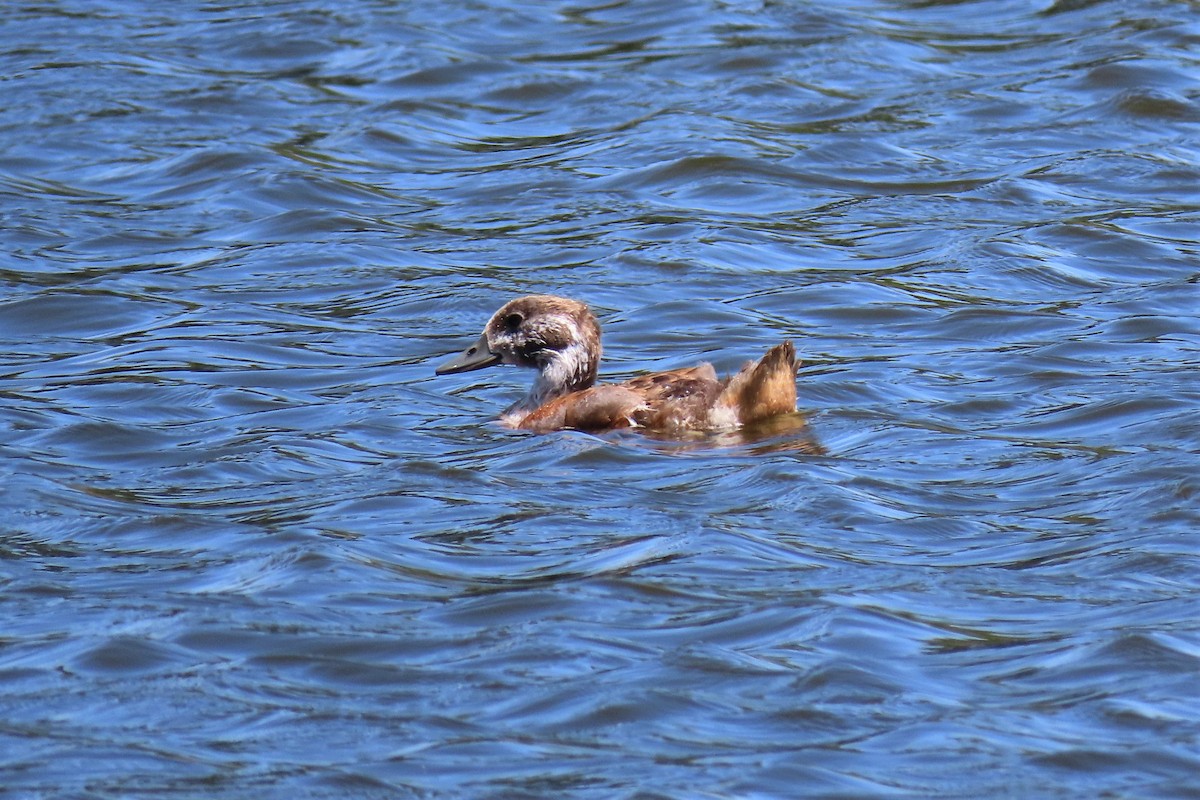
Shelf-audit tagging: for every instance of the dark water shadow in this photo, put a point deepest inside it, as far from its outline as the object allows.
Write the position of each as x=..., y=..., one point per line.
x=785, y=433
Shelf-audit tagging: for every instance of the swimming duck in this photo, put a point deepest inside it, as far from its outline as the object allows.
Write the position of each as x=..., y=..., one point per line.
x=560, y=338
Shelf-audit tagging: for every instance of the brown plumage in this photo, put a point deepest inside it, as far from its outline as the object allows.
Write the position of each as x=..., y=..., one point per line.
x=560, y=338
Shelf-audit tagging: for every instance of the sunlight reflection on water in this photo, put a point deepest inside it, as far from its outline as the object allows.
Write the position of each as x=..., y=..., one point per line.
x=254, y=546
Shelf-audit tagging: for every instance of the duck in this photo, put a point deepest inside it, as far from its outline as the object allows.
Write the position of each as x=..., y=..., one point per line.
x=560, y=338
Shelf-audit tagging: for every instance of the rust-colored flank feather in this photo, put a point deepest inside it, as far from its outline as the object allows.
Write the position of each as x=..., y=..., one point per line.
x=560, y=338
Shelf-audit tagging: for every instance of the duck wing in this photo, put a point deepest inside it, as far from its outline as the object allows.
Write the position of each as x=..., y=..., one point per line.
x=678, y=399
x=598, y=408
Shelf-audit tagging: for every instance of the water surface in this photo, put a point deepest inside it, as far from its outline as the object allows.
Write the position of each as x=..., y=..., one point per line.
x=251, y=547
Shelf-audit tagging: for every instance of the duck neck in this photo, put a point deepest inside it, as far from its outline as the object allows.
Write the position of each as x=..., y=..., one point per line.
x=565, y=372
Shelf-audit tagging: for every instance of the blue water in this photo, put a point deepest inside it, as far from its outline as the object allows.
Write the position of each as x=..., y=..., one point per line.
x=250, y=546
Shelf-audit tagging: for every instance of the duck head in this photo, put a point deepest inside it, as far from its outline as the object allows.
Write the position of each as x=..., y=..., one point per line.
x=558, y=337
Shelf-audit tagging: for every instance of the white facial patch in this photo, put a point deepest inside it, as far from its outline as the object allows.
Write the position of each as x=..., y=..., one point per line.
x=565, y=370
x=559, y=371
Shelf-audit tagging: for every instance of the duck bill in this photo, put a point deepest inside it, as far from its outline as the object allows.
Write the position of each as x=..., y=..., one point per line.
x=477, y=356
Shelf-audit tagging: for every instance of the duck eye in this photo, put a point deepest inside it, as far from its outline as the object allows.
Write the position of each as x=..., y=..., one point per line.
x=513, y=321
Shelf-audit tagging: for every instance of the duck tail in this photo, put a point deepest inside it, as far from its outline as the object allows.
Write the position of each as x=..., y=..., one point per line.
x=761, y=390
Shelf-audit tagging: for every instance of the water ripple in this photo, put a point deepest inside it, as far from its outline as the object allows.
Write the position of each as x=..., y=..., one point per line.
x=253, y=546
